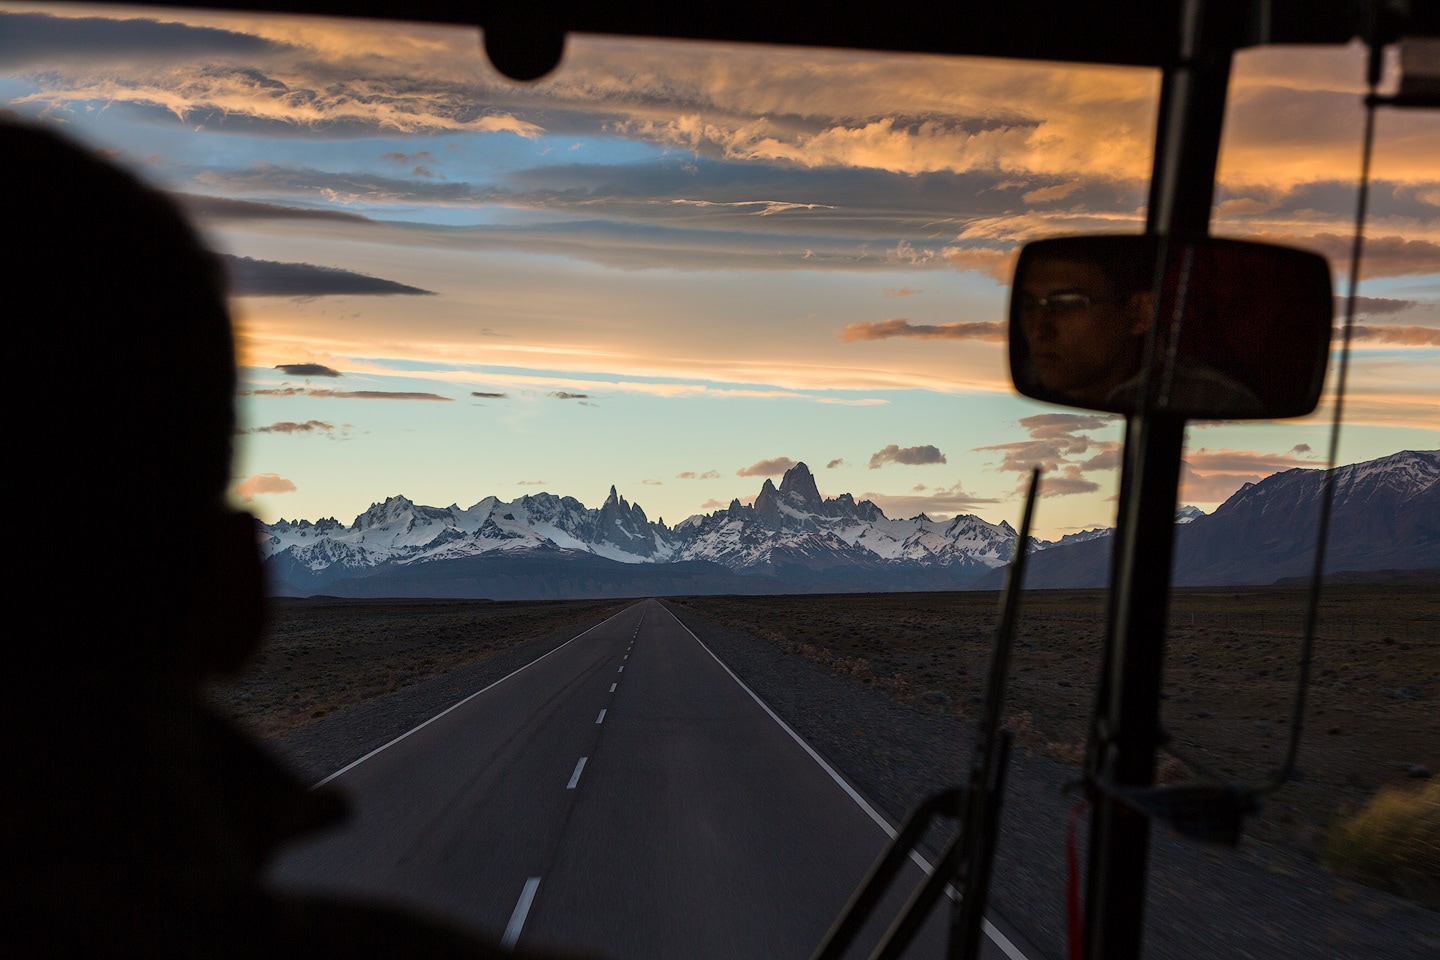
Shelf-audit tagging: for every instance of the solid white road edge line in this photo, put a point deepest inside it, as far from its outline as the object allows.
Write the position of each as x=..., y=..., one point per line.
x=355, y=763
x=575, y=777
x=1000, y=940
x=522, y=910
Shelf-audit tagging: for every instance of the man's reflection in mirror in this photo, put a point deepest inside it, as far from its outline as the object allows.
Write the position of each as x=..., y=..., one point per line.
x=1084, y=321
x=1083, y=309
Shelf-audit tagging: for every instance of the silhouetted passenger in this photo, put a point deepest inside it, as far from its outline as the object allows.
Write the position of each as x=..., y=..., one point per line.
x=135, y=822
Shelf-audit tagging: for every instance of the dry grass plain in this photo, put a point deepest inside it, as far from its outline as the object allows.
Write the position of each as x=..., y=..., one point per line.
x=324, y=655
x=1373, y=713
x=1374, y=707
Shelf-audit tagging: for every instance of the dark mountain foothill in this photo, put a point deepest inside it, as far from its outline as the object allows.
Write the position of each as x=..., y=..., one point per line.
x=1385, y=516
x=793, y=540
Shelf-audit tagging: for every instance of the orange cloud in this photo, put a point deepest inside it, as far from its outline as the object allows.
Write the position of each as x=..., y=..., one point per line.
x=1211, y=476
x=999, y=264
x=1207, y=461
x=1212, y=488
x=262, y=483
x=900, y=327
x=1045, y=194
x=1409, y=336
x=1388, y=256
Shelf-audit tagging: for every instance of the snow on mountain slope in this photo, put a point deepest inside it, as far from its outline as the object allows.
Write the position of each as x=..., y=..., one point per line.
x=792, y=531
x=791, y=525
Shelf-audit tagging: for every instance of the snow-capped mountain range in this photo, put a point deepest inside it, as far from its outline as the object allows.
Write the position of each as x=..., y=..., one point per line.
x=793, y=540
x=789, y=531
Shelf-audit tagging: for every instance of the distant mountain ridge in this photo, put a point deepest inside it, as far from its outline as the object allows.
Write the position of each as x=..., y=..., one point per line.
x=1385, y=516
x=791, y=539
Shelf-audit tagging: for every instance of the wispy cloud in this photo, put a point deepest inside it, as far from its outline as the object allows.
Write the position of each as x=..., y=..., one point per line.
x=910, y=456
x=1382, y=256
x=1060, y=445
x=323, y=76
x=33, y=40
x=345, y=394
x=766, y=468
x=692, y=475
x=1372, y=306
x=220, y=209
x=936, y=503
x=900, y=327
x=488, y=396
x=290, y=427
x=759, y=208
x=269, y=278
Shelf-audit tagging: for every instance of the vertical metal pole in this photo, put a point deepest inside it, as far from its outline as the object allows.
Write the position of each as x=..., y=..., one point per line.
x=1128, y=705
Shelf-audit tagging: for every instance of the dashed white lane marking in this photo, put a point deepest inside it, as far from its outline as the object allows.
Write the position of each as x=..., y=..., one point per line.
x=1003, y=942
x=601, y=718
x=613, y=686
x=622, y=669
x=522, y=910
x=575, y=777
x=627, y=656
x=355, y=763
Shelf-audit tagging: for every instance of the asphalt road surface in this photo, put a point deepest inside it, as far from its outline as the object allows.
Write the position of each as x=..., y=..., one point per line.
x=625, y=794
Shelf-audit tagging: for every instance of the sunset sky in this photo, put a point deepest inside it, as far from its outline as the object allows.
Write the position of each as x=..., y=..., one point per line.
x=678, y=268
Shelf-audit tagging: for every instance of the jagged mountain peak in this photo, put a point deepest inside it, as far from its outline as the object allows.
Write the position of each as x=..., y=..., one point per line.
x=386, y=511
x=798, y=487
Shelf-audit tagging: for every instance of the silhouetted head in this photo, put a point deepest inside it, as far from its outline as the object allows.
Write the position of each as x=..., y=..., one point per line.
x=125, y=360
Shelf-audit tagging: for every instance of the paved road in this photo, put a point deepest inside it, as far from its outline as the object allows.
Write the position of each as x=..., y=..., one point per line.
x=624, y=793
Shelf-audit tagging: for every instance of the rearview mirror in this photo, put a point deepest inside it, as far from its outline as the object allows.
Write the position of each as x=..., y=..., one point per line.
x=1240, y=330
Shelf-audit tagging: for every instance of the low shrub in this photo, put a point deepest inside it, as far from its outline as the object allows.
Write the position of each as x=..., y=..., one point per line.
x=1392, y=842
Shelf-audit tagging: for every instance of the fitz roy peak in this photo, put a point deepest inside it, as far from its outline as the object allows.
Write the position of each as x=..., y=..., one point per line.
x=789, y=539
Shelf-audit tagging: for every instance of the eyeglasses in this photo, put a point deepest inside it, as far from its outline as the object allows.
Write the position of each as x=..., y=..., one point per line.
x=1065, y=302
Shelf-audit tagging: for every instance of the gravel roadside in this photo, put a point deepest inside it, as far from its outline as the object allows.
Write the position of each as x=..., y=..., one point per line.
x=1203, y=902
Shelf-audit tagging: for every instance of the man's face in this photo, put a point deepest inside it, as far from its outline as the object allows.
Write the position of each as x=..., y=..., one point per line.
x=1084, y=339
